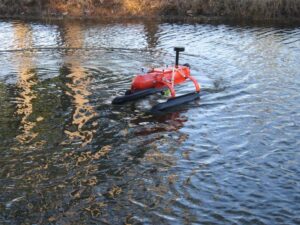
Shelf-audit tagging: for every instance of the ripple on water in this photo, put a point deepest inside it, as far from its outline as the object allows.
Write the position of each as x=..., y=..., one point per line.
x=69, y=156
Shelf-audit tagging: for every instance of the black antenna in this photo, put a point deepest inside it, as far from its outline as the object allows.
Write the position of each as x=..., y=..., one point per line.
x=178, y=50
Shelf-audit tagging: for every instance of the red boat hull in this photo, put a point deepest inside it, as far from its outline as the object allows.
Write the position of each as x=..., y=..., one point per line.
x=160, y=78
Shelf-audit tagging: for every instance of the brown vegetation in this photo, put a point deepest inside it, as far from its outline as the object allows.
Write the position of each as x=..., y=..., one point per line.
x=254, y=9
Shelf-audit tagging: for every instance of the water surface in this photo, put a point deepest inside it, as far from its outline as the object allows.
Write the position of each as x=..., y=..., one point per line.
x=69, y=157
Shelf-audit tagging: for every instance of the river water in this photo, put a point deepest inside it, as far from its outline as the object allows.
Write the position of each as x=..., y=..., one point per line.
x=69, y=157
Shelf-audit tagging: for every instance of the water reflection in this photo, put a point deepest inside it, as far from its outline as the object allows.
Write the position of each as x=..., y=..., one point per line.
x=172, y=121
x=78, y=85
x=27, y=79
x=203, y=165
x=151, y=30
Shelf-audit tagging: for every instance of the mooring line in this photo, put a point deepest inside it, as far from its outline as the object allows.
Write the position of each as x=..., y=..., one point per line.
x=78, y=48
x=93, y=49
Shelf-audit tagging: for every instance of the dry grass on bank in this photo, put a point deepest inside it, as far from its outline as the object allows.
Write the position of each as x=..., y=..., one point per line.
x=230, y=8
x=255, y=9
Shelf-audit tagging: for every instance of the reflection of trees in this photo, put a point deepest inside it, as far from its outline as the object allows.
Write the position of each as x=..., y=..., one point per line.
x=78, y=87
x=151, y=29
x=26, y=81
x=8, y=126
x=88, y=184
x=141, y=184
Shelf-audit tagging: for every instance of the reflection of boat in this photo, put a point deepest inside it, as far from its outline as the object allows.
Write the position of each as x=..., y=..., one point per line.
x=165, y=122
x=158, y=80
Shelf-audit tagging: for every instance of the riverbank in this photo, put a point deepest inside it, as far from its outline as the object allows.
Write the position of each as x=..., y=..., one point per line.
x=197, y=10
